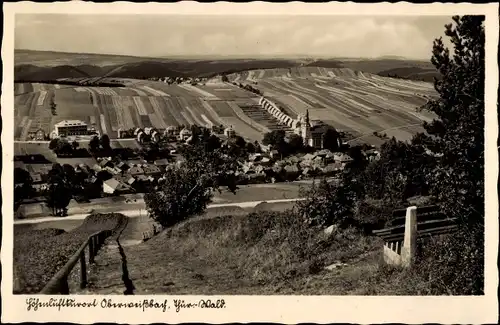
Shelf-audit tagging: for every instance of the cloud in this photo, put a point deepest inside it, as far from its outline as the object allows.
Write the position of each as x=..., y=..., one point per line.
x=156, y=35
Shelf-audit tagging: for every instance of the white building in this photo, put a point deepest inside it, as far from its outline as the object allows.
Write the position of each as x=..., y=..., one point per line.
x=184, y=134
x=230, y=132
x=71, y=127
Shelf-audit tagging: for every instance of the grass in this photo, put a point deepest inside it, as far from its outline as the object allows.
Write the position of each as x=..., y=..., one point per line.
x=40, y=253
x=260, y=253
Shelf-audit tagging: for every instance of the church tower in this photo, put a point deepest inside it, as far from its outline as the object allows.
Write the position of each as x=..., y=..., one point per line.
x=306, y=129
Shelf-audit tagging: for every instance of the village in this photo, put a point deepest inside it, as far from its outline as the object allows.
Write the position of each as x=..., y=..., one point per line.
x=102, y=171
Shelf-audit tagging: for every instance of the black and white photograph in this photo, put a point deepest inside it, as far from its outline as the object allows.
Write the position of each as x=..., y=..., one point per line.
x=164, y=154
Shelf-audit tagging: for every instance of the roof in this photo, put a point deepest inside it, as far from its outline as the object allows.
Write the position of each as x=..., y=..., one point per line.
x=70, y=123
x=161, y=162
x=113, y=183
x=37, y=178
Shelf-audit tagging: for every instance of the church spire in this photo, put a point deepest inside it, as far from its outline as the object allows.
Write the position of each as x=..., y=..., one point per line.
x=307, y=117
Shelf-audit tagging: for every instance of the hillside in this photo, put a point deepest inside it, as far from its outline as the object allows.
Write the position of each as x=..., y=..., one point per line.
x=354, y=102
x=43, y=66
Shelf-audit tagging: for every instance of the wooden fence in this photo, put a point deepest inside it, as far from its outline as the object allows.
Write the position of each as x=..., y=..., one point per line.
x=400, y=238
x=59, y=282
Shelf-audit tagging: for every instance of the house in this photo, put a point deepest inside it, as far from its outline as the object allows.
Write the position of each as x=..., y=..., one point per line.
x=255, y=157
x=37, y=134
x=19, y=164
x=106, y=162
x=274, y=154
x=229, y=132
x=135, y=170
x=96, y=168
x=184, y=134
x=112, y=185
x=123, y=166
x=265, y=161
x=36, y=177
x=332, y=169
x=40, y=187
x=83, y=168
x=151, y=170
x=111, y=170
x=161, y=162
x=342, y=158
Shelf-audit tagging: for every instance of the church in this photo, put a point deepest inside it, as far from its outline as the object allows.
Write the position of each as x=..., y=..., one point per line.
x=311, y=133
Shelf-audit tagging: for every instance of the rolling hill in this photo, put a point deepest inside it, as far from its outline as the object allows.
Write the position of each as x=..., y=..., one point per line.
x=352, y=101
x=43, y=66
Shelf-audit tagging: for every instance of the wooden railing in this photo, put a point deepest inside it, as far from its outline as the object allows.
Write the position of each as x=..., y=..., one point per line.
x=400, y=238
x=59, y=282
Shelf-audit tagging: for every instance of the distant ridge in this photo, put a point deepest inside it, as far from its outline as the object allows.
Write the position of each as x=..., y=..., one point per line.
x=45, y=65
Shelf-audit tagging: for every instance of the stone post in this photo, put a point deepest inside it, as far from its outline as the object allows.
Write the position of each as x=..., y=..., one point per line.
x=410, y=239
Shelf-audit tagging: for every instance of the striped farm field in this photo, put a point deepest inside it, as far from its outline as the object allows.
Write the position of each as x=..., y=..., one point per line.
x=351, y=101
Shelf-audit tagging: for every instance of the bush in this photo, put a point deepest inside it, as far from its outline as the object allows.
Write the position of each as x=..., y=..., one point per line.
x=450, y=265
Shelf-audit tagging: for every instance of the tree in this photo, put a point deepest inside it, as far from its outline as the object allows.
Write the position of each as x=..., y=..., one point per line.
x=331, y=139
x=458, y=133
x=327, y=203
x=54, y=144
x=456, y=138
x=94, y=144
x=105, y=143
x=23, y=184
x=274, y=138
x=295, y=143
x=60, y=190
x=75, y=145
x=250, y=147
x=189, y=188
x=224, y=78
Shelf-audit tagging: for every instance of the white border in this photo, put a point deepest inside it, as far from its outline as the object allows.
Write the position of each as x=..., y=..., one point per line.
x=283, y=309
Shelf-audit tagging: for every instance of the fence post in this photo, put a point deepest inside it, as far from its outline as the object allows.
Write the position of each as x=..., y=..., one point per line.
x=64, y=286
x=410, y=239
x=83, y=270
x=91, y=250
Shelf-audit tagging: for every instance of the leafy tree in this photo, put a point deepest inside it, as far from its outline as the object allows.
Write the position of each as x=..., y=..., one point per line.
x=24, y=184
x=58, y=198
x=224, y=78
x=457, y=135
x=189, y=188
x=250, y=147
x=456, y=138
x=60, y=190
x=295, y=143
x=331, y=139
x=54, y=144
x=327, y=203
x=239, y=141
x=75, y=145
x=105, y=143
x=274, y=138
x=94, y=144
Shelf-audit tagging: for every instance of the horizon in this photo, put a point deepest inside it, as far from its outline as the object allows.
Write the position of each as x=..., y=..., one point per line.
x=321, y=37
x=230, y=57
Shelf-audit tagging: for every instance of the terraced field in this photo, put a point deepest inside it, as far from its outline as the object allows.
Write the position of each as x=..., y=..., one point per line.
x=142, y=104
x=356, y=102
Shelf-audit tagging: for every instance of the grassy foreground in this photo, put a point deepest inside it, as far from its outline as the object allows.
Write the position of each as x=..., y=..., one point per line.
x=40, y=253
x=260, y=253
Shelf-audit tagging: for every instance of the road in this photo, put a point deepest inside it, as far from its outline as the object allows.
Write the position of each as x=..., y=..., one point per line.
x=141, y=212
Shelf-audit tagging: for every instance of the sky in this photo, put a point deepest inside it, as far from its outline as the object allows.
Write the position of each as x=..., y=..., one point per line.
x=194, y=35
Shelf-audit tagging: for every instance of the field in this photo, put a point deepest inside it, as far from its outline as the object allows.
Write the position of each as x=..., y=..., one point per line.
x=351, y=101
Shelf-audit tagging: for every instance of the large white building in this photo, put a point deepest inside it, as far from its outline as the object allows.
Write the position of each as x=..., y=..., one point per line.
x=71, y=127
